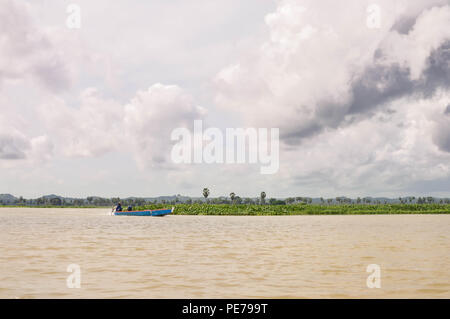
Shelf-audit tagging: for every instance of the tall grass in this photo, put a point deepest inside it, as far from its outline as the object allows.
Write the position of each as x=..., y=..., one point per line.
x=302, y=209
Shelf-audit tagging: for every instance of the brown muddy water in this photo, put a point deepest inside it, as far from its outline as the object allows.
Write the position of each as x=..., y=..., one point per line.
x=221, y=256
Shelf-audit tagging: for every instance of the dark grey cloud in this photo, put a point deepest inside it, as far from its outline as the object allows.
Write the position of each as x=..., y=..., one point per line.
x=378, y=85
x=447, y=110
x=396, y=82
x=366, y=93
x=441, y=135
x=404, y=24
x=292, y=136
x=12, y=147
x=437, y=75
x=443, y=142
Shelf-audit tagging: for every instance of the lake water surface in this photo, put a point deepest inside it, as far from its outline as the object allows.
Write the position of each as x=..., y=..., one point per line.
x=221, y=256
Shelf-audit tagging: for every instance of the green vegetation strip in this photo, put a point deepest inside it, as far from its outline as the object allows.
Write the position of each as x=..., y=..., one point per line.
x=293, y=209
x=302, y=209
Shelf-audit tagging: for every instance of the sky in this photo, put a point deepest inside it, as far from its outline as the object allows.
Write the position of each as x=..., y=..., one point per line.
x=359, y=90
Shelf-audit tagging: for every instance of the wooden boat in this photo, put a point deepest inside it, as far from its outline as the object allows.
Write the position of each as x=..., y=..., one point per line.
x=156, y=212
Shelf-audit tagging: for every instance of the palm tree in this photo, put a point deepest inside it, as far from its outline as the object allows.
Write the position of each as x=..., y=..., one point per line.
x=206, y=193
x=232, y=196
x=263, y=198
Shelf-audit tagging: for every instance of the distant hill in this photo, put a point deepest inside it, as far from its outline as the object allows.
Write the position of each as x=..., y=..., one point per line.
x=8, y=199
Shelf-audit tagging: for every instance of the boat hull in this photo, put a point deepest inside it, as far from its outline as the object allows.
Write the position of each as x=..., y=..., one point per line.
x=156, y=212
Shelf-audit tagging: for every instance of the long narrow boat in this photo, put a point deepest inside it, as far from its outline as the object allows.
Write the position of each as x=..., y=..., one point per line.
x=156, y=212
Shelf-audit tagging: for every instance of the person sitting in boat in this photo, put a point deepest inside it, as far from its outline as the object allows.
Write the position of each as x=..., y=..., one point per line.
x=119, y=207
x=130, y=208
